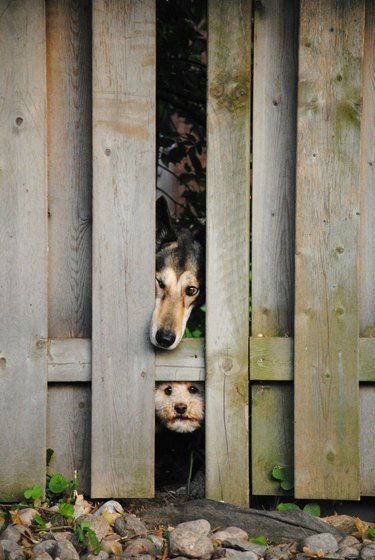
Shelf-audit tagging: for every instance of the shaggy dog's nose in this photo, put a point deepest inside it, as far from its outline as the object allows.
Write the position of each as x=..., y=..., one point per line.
x=165, y=338
x=180, y=408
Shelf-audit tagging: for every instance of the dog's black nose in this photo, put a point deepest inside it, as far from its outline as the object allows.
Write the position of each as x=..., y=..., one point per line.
x=180, y=408
x=165, y=338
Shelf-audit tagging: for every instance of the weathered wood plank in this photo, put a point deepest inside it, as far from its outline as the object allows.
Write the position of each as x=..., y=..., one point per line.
x=272, y=435
x=274, y=141
x=227, y=469
x=69, y=431
x=69, y=167
x=367, y=201
x=123, y=248
x=271, y=358
x=23, y=247
x=326, y=327
x=367, y=440
x=69, y=360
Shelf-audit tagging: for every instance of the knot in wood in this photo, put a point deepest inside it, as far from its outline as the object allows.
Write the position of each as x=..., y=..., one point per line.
x=227, y=364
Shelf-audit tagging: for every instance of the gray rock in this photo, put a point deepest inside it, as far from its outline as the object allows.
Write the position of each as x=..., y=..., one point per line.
x=130, y=526
x=349, y=540
x=9, y=546
x=13, y=533
x=101, y=556
x=2, y=555
x=64, y=550
x=27, y=516
x=45, y=546
x=97, y=523
x=348, y=552
x=277, y=553
x=229, y=533
x=141, y=546
x=275, y=525
x=324, y=541
x=368, y=552
x=158, y=543
x=238, y=555
x=244, y=546
x=16, y=555
x=42, y=556
x=190, y=539
x=111, y=506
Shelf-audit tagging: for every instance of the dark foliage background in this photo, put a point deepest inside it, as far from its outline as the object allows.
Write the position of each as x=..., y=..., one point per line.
x=181, y=120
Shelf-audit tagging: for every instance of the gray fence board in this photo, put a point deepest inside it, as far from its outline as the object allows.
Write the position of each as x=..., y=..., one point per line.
x=123, y=370
x=23, y=247
x=228, y=239
x=69, y=167
x=326, y=316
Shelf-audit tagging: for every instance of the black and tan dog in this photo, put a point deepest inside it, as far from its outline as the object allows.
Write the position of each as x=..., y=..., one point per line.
x=179, y=279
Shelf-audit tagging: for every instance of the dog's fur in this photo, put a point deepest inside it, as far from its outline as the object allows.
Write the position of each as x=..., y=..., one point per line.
x=179, y=406
x=179, y=282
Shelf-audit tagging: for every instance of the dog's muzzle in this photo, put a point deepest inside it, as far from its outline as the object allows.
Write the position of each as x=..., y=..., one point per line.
x=164, y=338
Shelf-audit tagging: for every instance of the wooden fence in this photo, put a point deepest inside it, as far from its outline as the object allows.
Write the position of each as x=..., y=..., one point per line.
x=77, y=136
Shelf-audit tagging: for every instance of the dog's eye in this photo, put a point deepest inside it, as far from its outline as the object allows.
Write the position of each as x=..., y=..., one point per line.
x=193, y=389
x=168, y=390
x=191, y=291
x=161, y=283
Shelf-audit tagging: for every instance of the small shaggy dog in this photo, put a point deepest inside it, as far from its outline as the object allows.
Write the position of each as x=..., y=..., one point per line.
x=179, y=406
x=179, y=409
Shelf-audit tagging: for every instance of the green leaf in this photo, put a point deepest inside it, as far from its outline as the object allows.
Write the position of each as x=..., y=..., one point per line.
x=312, y=509
x=58, y=483
x=287, y=506
x=66, y=510
x=371, y=533
x=93, y=541
x=285, y=475
x=34, y=493
x=259, y=540
x=39, y=521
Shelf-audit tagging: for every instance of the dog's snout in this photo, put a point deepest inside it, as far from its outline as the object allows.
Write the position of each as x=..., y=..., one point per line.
x=165, y=338
x=180, y=408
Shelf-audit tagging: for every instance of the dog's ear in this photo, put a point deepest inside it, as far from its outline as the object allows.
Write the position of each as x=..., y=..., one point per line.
x=165, y=232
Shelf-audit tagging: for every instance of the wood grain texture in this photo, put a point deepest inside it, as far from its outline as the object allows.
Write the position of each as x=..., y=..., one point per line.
x=367, y=440
x=326, y=321
x=228, y=238
x=272, y=435
x=23, y=247
x=69, y=167
x=367, y=202
x=274, y=161
x=271, y=359
x=69, y=360
x=69, y=431
x=123, y=365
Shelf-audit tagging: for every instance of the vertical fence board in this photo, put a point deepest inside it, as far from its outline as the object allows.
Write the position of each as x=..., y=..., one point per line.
x=23, y=247
x=326, y=331
x=123, y=248
x=68, y=430
x=272, y=435
x=69, y=167
x=367, y=222
x=274, y=144
x=273, y=222
x=227, y=476
x=367, y=439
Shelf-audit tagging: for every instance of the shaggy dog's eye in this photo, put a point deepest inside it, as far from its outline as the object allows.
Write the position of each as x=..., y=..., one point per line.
x=161, y=283
x=168, y=390
x=191, y=291
x=193, y=389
